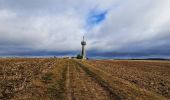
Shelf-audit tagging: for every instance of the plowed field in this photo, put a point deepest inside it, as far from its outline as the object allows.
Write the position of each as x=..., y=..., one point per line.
x=69, y=79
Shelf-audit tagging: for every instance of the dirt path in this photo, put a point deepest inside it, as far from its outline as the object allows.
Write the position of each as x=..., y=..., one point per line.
x=93, y=87
x=83, y=87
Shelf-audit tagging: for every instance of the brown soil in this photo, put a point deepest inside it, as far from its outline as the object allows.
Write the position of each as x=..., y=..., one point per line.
x=64, y=79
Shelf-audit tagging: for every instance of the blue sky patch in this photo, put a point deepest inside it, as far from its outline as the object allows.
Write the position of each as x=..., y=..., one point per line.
x=96, y=17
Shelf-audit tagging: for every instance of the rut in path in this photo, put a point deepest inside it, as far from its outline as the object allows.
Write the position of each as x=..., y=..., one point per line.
x=83, y=87
x=68, y=83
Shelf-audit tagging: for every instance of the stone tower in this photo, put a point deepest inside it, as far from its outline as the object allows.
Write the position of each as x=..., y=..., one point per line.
x=83, y=53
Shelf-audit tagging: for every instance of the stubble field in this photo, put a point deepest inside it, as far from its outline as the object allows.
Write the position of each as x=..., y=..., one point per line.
x=70, y=79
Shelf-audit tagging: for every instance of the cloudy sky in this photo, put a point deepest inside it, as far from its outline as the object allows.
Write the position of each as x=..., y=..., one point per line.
x=112, y=28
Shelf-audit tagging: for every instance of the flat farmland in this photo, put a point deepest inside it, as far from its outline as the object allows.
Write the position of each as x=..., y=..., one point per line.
x=70, y=79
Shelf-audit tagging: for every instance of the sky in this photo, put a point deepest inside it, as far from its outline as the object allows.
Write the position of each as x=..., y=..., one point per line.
x=112, y=28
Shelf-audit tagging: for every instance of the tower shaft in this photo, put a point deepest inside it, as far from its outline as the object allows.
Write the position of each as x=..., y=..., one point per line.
x=83, y=53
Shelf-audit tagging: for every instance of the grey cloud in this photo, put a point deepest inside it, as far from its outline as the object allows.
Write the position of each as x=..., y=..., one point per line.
x=130, y=26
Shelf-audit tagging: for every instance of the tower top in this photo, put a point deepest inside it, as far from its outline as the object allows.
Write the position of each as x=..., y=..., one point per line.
x=83, y=42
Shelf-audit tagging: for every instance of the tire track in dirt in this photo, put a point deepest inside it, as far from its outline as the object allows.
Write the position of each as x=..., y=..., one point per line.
x=83, y=83
x=79, y=88
x=84, y=87
x=74, y=87
x=95, y=90
x=68, y=89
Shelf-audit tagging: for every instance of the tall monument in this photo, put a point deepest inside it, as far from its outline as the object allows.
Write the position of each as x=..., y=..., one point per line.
x=83, y=53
